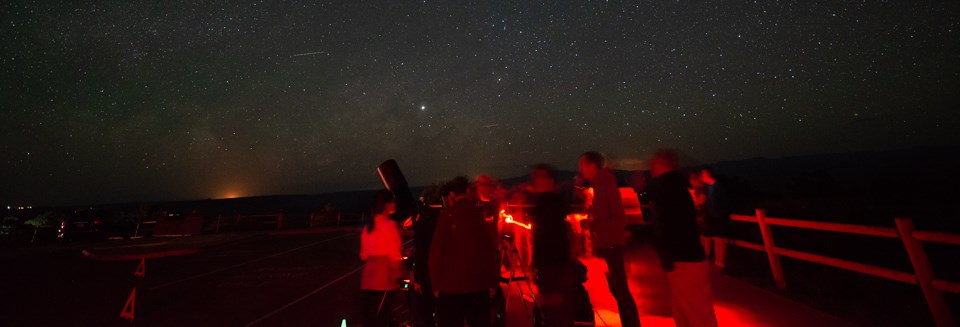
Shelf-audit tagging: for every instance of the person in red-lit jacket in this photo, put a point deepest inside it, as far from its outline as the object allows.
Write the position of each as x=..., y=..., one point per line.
x=608, y=223
x=380, y=249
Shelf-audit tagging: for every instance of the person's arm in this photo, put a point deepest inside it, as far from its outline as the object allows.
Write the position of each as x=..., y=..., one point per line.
x=659, y=237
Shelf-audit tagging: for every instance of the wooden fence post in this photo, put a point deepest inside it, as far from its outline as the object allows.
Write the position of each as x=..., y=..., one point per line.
x=770, y=246
x=279, y=221
x=219, y=218
x=924, y=273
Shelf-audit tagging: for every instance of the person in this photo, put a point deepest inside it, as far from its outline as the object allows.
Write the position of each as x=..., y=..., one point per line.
x=607, y=223
x=485, y=191
x=677, y=241
x=715, y=219
x=463, y=261
x=380, y=249
x=488, y=194
x=551, y=247
x=423, y=228
x=697, y=193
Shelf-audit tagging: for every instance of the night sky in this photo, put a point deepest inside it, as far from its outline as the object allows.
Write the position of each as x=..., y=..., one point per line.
x=116, y=101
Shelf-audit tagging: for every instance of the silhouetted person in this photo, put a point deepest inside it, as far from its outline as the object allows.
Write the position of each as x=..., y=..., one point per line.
x=608, y=223
x=677, y=241
x=715, y=217
x=463, y=261
x=696, y=189
x=551, y=247
x=423, y=228
x=487, y=193
x=380, y=249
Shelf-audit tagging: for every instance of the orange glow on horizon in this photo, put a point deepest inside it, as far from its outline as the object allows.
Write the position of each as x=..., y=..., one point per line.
x=232, y=194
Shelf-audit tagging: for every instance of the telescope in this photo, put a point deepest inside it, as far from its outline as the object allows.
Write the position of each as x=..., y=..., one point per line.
x=393, y=180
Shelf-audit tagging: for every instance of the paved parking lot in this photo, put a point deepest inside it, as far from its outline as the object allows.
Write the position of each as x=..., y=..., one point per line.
x=292, y=280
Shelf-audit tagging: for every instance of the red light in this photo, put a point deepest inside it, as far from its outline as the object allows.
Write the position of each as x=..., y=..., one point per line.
x=509, y=219
x=97, y=222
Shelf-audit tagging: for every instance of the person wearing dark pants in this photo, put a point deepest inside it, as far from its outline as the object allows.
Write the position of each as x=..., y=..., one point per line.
x=607, y=223
x=555, y=283
x=617, y=281
x=677, y=241
x=551, y=248
x=464, y=271
x=425, y=303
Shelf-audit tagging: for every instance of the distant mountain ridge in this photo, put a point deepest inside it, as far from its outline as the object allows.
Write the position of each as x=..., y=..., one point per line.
x=909, y=181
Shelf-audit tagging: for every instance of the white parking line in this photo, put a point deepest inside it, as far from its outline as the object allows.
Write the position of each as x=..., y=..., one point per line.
x=292, y=303
x=304, y=297
x=245, y=263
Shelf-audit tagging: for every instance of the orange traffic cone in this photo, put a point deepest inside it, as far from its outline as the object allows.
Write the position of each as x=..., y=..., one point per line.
x=127, y=312
x=142, y=269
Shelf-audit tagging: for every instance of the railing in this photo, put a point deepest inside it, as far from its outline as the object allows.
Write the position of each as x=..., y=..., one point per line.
x=922, y=276
x=339, y=218
x=278, y=219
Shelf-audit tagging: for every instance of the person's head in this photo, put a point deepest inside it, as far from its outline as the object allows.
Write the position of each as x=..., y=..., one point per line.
x=455, y=189
x=384, y=203
x=590, y=163
x=663, y=161
x=484, y=186
x=543, y=178
x=707, y=176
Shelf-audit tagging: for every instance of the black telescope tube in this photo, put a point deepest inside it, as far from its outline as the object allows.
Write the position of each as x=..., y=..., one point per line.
x=393, y=180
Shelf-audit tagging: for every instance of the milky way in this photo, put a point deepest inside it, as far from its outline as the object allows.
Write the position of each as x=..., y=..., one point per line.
x=128, y=101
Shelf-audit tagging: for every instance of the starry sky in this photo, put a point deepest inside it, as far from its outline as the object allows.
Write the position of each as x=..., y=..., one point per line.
x=111, y=101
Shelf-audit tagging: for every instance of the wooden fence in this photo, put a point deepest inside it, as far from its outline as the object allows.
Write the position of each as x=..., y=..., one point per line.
x=912, y=241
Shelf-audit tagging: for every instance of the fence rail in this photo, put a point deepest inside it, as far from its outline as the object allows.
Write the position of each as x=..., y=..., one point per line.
x=277, y=218
x=912, y=241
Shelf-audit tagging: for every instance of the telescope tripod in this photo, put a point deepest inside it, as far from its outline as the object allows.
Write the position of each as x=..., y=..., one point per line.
x=517, y=275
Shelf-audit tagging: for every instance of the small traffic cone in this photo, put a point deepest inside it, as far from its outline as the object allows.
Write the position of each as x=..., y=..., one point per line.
x=142, y=269
x=128, y=308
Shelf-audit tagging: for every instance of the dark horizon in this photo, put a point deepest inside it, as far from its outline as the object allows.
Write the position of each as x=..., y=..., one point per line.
x=623, y=166
x=126, y=102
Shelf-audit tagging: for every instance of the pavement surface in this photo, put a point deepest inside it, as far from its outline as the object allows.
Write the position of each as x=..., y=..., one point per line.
x=292, y=279
x=155, y=247
x=736, y=303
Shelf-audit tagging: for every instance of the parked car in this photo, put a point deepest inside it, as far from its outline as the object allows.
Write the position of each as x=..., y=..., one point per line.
x=96, y=225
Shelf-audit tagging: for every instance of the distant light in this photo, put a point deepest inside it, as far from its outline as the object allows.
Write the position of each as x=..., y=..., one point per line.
x=231, y=193
x=343, y=323
x=422, y=108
